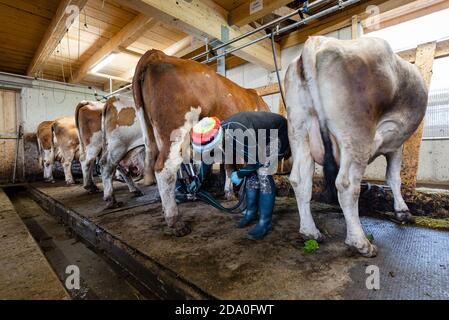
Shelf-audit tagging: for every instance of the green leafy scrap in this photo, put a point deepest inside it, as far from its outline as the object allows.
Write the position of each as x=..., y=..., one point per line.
x=310, y=246
x=370, y=237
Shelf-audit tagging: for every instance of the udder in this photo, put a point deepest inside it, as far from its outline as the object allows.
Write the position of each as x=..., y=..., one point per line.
x=316, y=143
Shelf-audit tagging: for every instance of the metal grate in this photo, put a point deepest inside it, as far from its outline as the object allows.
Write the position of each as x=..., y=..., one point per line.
x=436, y=123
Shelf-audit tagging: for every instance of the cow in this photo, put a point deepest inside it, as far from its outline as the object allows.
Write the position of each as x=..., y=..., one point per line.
x=122, y=146
x=88, y=124
x=348, y=102
x=45, y=149
x=66, y=144
x=171, y=94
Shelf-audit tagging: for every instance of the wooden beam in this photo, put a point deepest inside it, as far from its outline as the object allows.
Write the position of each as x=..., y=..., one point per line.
x=179, y=46
x=201, y=18
x=131, y=30
x=338, y=20
x=252, y=10
x=408, y=12
x=441, y=51
x=172, y=50
x=355, y=27
x=425, y=55
x=54, y=34
x=195, y=44
x=283, y=11
x=267, y=90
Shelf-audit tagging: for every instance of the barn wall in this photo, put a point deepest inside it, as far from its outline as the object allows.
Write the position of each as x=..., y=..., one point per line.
x=433, y=165
x=40, y=101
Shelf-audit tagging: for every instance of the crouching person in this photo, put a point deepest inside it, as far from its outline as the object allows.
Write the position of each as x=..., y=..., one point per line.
x=258, y=140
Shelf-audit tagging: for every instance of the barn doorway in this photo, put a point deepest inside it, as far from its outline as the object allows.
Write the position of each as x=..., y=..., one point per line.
x=9, y=135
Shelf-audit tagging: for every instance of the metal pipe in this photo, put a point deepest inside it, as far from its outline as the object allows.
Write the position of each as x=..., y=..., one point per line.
x=43, y=80
x=341, y=5
x=247, y=34
x=118, y=90
x=263, y=27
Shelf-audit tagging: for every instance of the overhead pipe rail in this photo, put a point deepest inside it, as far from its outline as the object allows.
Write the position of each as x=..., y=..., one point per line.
x=274, y=25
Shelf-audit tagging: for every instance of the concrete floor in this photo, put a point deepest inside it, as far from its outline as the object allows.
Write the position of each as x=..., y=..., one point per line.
x=98, y=279
x=218, y=260
x=24, y=271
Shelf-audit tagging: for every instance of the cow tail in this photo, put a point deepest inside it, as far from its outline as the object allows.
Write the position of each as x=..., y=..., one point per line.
x=52, y=142
x=104, y=144
x=39, y=150
x=138, y=81
x=78, y=129
x=330, y=167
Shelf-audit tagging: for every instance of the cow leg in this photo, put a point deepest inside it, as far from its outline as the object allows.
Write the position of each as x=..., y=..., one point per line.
x=167, y=165
x=129, y=182
x=301, y=179
x=229, y=187
x=67, y=165
x=348, y=183
x=87, y=165
x=150, y=159
x=109, y=164
x=401, y=210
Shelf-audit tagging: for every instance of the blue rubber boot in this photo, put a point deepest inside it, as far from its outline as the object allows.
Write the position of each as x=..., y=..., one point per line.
x=250, y=214
x=266, y=206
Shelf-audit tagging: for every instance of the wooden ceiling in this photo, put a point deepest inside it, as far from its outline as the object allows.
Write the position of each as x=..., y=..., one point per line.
x=34, y=40
x=23, y=23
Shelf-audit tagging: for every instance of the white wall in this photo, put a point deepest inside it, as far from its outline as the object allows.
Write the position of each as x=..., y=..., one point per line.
x=40, y=104
x=40, y=100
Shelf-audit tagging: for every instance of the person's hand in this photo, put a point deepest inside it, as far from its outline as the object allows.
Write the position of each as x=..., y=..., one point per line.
x=235, y=178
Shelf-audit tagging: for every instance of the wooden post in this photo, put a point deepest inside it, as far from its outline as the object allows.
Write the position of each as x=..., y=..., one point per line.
x=282, y=109
x=355, y=27
x=425, y=55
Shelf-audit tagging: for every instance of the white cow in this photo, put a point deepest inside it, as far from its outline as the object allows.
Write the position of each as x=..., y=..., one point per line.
x=349, y=102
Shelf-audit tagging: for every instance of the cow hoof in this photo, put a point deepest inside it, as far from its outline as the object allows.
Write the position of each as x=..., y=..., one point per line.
x=318, y=236
x=404, y=217
x=70, y=182
x=92, y=189
x=137, y=193
x=181, y=229
x=366, y=249
x=230, y=196
x=114, y=204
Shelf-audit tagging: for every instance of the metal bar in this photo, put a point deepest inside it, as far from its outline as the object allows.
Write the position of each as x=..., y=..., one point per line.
x=268, y=25
x=341, y=5
x=43, y=80
x=119, y=90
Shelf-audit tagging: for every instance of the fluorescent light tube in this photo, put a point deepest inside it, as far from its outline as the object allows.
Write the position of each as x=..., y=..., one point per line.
x=103, y=62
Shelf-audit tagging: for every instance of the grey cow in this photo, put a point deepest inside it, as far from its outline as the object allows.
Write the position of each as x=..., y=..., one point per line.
x=349, y=101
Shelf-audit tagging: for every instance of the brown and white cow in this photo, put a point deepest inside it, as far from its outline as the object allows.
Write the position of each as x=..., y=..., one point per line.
x=88, y=124
x=171, y=94
x=45, y=149
x=65, y=144
x=123, y=146
x=347, y=103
